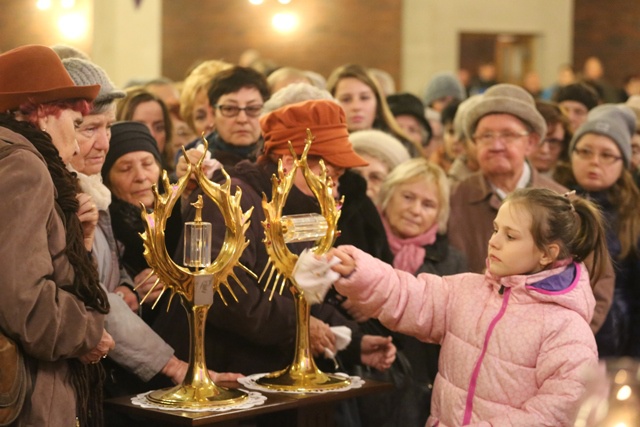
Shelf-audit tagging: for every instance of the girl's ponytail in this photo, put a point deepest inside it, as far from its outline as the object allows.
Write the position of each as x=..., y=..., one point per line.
x=589, y=237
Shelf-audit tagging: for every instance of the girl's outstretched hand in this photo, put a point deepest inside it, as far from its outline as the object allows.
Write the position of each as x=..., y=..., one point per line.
x=347, y=264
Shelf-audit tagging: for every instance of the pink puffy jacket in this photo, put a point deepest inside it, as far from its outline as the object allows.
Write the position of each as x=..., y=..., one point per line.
x=514, y=349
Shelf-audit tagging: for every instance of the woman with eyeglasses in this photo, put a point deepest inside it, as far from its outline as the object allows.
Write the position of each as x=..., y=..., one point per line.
x=600, y=155
x=236, y=97
x=554, y=147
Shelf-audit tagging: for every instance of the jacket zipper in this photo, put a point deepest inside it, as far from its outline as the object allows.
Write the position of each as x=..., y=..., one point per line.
x=476, y=371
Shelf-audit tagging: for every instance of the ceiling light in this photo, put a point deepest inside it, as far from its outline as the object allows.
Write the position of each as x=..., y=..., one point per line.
x=285, y=22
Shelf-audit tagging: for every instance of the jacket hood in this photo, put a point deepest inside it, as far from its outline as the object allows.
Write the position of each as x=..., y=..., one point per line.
x=566, y=284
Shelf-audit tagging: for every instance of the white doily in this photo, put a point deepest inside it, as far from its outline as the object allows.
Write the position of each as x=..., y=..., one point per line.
x=253, y=399
x=250, y=382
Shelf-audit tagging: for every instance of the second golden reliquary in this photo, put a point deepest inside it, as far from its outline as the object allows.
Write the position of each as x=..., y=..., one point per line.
x=302, y=375
x=199, y=280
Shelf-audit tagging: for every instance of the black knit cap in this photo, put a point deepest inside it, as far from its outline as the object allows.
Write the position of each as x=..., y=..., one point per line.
x=578, y=92
x=127, y=137
x=408, y=104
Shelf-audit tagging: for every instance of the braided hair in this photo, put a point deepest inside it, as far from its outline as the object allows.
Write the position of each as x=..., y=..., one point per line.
x=86, y=379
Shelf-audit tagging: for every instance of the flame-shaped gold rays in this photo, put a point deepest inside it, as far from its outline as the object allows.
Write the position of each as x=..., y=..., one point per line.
x=179, y=280
x=197, y=389
x=302, y=375
x=281, y=259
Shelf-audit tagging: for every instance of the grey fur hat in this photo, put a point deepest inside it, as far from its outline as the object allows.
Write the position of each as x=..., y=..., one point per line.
x=441, y=85
x=85, y=72
x=506, y=99
x=616, y=121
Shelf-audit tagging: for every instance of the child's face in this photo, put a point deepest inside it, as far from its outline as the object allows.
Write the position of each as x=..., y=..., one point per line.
x=512, y=250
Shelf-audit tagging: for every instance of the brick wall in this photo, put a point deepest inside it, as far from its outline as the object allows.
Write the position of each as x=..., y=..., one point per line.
x=611, y=31
x=330, y=33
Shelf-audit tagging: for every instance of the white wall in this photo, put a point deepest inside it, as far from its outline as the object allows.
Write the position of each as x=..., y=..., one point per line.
x=127, y=39
x=430, y=33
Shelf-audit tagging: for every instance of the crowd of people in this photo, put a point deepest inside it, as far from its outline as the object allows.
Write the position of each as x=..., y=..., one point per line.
x=488, y=251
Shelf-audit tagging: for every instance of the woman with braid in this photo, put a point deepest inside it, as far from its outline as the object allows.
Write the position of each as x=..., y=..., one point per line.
x=52, y=304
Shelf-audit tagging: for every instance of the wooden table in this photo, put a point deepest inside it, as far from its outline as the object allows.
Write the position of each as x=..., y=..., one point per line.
x=280, y=409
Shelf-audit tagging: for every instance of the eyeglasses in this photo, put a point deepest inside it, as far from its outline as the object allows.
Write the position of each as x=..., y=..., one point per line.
x=507, y=137
x=605, y=158
x=233, y=110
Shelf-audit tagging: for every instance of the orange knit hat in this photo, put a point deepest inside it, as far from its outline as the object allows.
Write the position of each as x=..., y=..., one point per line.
x=327, y=123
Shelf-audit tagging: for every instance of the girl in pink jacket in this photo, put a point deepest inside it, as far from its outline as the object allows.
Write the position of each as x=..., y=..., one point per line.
x=515, y=341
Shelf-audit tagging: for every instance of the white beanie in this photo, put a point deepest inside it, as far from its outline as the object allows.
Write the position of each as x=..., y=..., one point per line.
x=380, y=145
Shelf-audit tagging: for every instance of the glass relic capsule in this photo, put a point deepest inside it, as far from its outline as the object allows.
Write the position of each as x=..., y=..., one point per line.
x=303, y=227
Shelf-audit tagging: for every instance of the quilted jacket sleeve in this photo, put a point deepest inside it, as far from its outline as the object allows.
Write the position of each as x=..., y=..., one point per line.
x=402, y=302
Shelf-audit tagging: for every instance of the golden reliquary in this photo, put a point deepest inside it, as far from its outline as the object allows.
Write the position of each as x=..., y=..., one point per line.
x=302, y=375
x=198, y=280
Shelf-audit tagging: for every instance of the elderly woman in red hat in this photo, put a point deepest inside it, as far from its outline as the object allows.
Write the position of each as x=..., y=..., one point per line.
x=52, y=304
x=255, y=325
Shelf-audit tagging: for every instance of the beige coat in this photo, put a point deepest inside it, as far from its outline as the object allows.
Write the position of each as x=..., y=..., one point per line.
x=50, y=324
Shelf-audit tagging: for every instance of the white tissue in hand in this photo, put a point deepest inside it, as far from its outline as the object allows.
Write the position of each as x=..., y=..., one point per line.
x=343, y=338
x=314, y=276
x=209, y=165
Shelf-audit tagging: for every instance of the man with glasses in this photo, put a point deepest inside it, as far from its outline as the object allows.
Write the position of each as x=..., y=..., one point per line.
x=505, y=127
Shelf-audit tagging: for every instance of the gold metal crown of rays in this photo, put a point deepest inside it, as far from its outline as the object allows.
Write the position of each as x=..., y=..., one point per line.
x=302, y=375
x=180, y=280
x=281, y=259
